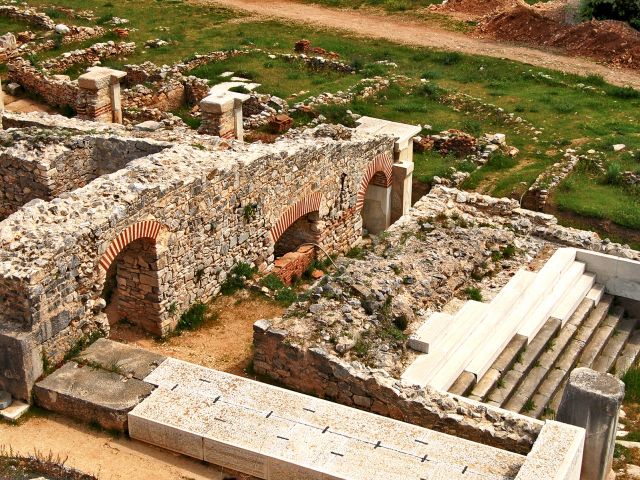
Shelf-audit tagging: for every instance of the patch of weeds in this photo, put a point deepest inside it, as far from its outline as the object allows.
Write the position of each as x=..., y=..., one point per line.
x=361, y=348
x=548, y=412
x=192, y=318
x=272, y=282
x=173, y=309
x=356, y=252
x=518, y=358
x=631, y=381
x=250, y=211
x=236, y=278
x=529, y=405
x=81, y=344
x=473, y=293
x=286, y=296
x=621, y=452
x=500, y=383
x=550, y=345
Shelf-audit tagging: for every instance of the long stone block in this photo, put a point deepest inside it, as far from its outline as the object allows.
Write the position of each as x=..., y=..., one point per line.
x=430, y=331
x=570, y=302
x=274, y=433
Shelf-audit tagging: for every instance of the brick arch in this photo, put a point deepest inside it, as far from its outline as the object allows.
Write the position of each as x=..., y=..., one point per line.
x=379, y=172
x=147, y=229
x=294, y=212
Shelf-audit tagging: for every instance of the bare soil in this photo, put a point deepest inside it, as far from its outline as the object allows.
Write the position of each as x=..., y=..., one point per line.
x=614, y=42
x=224, y=342
x=473, y=9
x=401, y=29
x=24, y=105
x=100, y=454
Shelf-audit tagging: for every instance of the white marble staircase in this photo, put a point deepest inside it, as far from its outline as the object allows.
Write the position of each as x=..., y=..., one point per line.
x=471, y=341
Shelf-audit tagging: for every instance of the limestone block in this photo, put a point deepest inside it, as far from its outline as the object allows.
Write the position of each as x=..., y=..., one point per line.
x=592, y=400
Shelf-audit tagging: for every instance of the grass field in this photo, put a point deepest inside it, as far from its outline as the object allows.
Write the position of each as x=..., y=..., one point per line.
x=567, y=110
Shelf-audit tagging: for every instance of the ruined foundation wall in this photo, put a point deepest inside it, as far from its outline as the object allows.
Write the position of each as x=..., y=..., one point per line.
x=316, y=372
x=199, y=199
x=61, y=165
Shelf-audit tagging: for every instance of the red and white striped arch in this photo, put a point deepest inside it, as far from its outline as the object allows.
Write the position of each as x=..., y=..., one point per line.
x=147, y=229
x=379, y=172
x=294, y=212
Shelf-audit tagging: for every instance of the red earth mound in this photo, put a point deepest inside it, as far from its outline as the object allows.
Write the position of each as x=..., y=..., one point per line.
x=476, y=8
x=609, y=41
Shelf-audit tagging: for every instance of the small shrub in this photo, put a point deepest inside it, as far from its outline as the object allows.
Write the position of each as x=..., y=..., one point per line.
x=193, y=318
x=614, y=174
x=356, y=252
x=474, y=293
x=529, y=405
x=236, y=278
x=286, y=296
x=509, y=251
x=104, y=19
x=272, y=282
x=450, y=58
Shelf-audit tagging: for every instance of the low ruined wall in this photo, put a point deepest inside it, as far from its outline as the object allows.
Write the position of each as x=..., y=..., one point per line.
x=315, y=372
x=27, y=15
x=60, y=165
x=58, y=93
x=197, y=201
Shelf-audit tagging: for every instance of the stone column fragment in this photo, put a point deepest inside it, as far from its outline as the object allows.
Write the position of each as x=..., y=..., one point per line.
x=99, y=97
x=592, y=400
x=401, y=189
x=222, y=116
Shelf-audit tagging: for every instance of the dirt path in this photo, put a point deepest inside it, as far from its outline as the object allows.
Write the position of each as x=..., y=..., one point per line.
x=99, y=454
x=223, y=343
x=402, y=30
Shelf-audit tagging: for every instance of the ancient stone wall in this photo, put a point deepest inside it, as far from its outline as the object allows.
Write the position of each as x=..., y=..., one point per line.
x=55, y=92
x=316, y=372
x=61, y=164
x=27, y=15
x=193, y=203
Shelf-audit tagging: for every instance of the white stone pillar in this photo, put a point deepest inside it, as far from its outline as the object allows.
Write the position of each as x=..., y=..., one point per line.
x=592, y=400
x=401, y=189
x=376, y=211
x=237, y=118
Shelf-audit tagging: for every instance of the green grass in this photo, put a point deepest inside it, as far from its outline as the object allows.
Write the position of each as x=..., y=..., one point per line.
x=631, y=381
x=278, y=76
x=590, y=197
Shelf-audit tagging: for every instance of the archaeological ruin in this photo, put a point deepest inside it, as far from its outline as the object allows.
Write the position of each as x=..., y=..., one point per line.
x=427, y=331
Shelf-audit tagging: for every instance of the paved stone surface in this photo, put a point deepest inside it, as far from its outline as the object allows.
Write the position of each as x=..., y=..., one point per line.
x=127, y=360
x=91, y=395
x=275, y=433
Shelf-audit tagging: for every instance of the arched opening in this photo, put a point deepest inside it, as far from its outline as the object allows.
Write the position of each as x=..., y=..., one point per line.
x=376, y=205
x=304, y=230
x=295, y=249
x=132, y=289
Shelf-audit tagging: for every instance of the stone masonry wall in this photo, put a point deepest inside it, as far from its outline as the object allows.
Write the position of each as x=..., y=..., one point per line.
x=316, y=372
x=60, y=164
x=51, y=253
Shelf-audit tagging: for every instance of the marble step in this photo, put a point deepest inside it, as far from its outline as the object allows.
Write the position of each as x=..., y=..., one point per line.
x=565, y=308
x=426, y=365
x=578, y=324
x=537, y=316
x=500, y=391
x=477, y=389
x=581, y=351
x=492, y=333
x=615, y=346
x=531, y=310
x=628, y=356
x=430, y=331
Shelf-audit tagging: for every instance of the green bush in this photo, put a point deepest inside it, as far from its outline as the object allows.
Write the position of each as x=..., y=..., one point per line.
x=614, y=174
x=272, y=282
x=286, y=296
x=193, y=318
x=624, y=10
x=237, y=276
x=474, y=293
